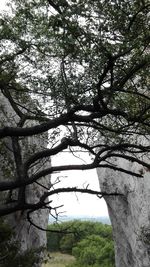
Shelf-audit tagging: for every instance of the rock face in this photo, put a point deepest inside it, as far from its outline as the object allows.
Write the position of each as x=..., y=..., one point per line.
x=28, y=236
x=129, y=213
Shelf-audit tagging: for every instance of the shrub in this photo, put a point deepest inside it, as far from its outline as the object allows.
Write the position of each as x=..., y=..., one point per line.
x=10, y=254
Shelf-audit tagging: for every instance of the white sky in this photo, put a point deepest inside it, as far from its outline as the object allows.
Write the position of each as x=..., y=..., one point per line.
x=76, y=204
x=3, y=4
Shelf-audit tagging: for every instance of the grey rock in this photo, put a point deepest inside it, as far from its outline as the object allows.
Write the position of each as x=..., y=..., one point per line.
x=129, y=213
x=28, y=236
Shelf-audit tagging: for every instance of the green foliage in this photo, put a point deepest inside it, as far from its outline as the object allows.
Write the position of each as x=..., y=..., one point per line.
x=106, y=257
x=69, y=233
x=94, y=250
x=10, y=254
x=53, y=237
x=90, y=242
x=66, y=56
x=82, y=36
x=67, y=242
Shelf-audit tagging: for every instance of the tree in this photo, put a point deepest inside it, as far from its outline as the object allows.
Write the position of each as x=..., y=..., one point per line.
x=65, y=236
x=94, y=251
x=74, y=74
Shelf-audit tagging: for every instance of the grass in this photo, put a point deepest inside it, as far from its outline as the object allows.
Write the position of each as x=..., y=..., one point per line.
x=58, y=259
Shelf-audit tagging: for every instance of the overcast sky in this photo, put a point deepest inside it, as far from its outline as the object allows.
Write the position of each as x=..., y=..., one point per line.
x=78, y=204
x=3, y=4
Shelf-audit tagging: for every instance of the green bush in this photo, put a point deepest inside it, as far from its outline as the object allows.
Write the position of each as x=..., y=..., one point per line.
x=94, y=250
x=53, y=240
x=10, y=254
x=90, y=242
x=106, y=255
x=77, y=231
x=67, y=242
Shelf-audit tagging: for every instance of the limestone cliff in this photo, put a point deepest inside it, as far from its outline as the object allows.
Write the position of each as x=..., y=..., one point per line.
x=28, y=236
x=129, y=213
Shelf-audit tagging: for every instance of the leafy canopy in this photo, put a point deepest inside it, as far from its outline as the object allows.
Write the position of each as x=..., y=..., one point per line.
x=75, y=74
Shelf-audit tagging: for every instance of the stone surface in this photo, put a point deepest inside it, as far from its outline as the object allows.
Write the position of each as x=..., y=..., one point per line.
x=129, y=214
x=29, y=236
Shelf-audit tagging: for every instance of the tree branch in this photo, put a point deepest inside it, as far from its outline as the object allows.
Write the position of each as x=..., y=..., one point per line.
x=41, y=203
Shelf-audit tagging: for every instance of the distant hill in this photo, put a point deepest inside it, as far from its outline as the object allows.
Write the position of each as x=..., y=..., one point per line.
x=104, y=220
